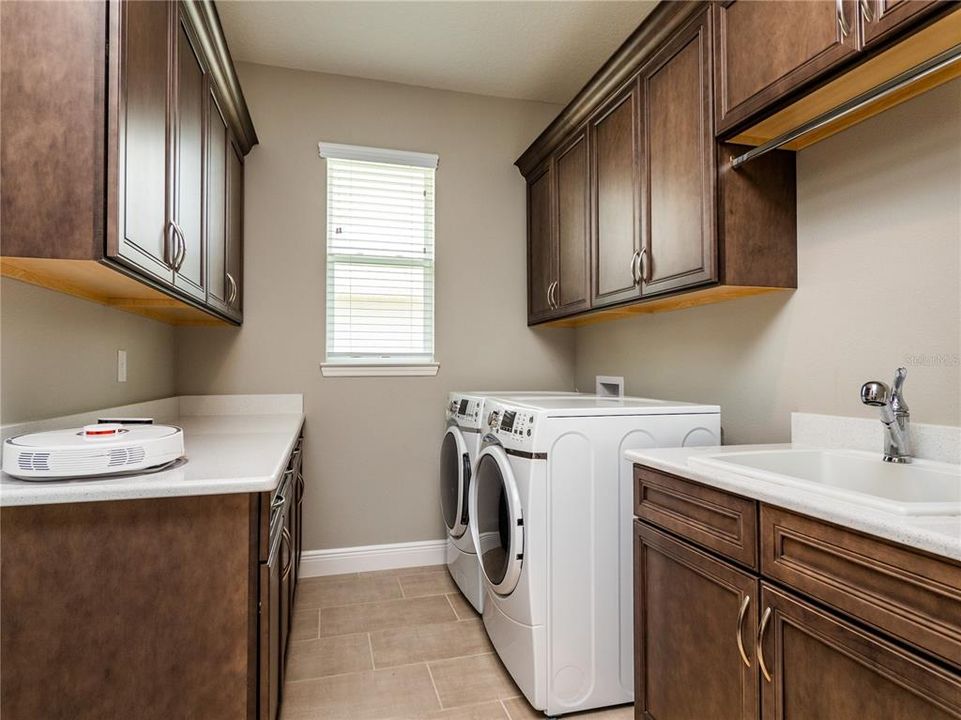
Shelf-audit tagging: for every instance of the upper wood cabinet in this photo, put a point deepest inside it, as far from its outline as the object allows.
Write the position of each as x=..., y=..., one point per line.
x=139, y=103
x=881, y=18
x=615, y=197
x=766, y=50
x=679, y=165
x=572, y=293
x=541, y=255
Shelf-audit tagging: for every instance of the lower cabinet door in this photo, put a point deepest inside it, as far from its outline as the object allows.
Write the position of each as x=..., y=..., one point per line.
x=286, y=585
x=270, y=648
x=694, y=625
x=818, y=666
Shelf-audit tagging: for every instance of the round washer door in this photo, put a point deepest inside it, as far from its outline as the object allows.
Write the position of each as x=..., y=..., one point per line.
x=454, y=481
x=497, y=520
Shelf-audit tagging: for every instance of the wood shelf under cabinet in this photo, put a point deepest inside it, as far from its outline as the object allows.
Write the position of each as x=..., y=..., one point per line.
x=101, y=283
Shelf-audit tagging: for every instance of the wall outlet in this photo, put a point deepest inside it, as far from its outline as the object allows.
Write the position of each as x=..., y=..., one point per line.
x=121, y=366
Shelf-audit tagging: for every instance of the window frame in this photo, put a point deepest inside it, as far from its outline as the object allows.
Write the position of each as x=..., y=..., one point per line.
x=371, y=365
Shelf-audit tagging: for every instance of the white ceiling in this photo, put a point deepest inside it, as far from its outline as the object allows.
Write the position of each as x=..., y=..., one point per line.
x=534, y=50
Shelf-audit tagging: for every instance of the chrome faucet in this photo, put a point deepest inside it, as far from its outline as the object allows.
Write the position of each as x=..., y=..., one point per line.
x=894, y=416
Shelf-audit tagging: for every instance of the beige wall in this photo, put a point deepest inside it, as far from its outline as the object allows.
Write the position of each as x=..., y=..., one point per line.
x=372, y=444
x=879, y=231
x=58, y=355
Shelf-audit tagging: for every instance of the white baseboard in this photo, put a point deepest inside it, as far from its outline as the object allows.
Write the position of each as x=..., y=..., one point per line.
x=337, y=561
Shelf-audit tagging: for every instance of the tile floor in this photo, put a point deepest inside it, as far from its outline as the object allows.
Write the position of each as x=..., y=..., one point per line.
x=397, y=645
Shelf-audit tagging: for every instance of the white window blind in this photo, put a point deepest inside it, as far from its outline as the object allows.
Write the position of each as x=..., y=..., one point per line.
x=380, y=256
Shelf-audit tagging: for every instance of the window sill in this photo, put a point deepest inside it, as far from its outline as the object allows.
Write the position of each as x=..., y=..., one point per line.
x=378, y=369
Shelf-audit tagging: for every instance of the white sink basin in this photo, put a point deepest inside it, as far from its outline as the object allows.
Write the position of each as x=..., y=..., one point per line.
x=919, y=488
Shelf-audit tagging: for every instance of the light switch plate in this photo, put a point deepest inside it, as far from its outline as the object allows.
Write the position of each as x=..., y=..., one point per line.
x=121, y=366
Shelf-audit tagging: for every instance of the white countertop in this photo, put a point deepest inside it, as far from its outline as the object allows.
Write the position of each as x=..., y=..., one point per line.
x=234, y=444
x=940, y=535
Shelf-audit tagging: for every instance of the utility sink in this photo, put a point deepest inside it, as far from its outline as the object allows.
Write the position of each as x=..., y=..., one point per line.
x=920, y=488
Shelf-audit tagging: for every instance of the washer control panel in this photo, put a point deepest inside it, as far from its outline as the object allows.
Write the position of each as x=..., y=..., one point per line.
x=465, y=410
x=512, y=425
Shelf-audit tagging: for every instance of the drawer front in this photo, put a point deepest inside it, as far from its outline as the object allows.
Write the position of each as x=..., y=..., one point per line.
x=712, y=518
x=288, y=488
x=908, y=594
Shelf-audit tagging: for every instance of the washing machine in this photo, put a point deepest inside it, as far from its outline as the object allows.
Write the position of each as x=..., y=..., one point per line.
x=466, y=420
x=551, y=512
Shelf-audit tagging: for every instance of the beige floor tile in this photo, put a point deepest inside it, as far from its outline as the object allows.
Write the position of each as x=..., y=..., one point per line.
x=435, y=582
x=401, y=572
x=471, y=680
x=463, y=608
x=346, y=589
x=405, y=692
x=419, y=643
x=373, y=616
x=305, y=624
x=328, y=656
x=519, y=709
x=484, y=711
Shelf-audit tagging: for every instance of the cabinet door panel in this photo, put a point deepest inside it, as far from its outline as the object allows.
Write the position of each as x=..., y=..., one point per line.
x=823, y=667
x=235, y=230
x=687, y=611
x=269, y=641
x=189, y=143
x=540, y=245
x=573, y=244
x=216, y=205
x=679, y=179
x=768, y=49
x=143, y=136
x=883, y=18
x=615, y=198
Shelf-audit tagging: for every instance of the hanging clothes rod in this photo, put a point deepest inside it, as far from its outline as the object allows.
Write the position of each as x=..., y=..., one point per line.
x=888, y=87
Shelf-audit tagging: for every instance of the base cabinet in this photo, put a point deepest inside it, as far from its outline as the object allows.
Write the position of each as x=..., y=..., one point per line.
x=714, y=639
x=690, y=606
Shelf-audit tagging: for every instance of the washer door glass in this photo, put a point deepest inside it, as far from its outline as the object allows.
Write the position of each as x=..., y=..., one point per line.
x=498, y=520
x=454, y=481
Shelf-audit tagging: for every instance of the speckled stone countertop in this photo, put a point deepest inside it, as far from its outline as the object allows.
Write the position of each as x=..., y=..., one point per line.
x=234, y=444
x=940, y=535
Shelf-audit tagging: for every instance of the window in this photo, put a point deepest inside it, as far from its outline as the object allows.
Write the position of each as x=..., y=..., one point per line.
x=380, y=261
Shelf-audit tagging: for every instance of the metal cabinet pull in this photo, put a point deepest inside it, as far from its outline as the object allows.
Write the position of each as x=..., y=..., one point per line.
x=842, y=20
x=866, y=11
x=180, y=254
x=285, y=540
x=554, y=286
x=741, y=614
x=760, y=644
x=635, y=271
x=232, y=289
x=642, y=265
x=550, y=303
x=278, y=502
x=170, y=246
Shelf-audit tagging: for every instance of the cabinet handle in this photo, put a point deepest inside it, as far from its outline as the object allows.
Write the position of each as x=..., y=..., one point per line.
x=285, y=540
x=170, y=249
x=760, y=644
x=741, y=614
x=181, y=251
x=866, y=11
x=232, y=290
x=842, y=20
x=634, y=269
x=642, y=265
x=554, y=286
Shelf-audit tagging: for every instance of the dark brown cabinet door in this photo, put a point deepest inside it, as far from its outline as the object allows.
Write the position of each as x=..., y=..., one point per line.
x=540, y=245
x=823, y=667
x=216, y=205
x=679, y=245
x=881, y=18
x=572, y=292
x=766, y=50
x=286, y=584
x=695, y=619
x=235, y=230
x=188, y=190
x=615, y=198
x=143, y=235
x=269, y=632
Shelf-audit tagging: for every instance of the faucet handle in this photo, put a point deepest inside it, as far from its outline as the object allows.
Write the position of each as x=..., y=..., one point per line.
x=897, y=399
